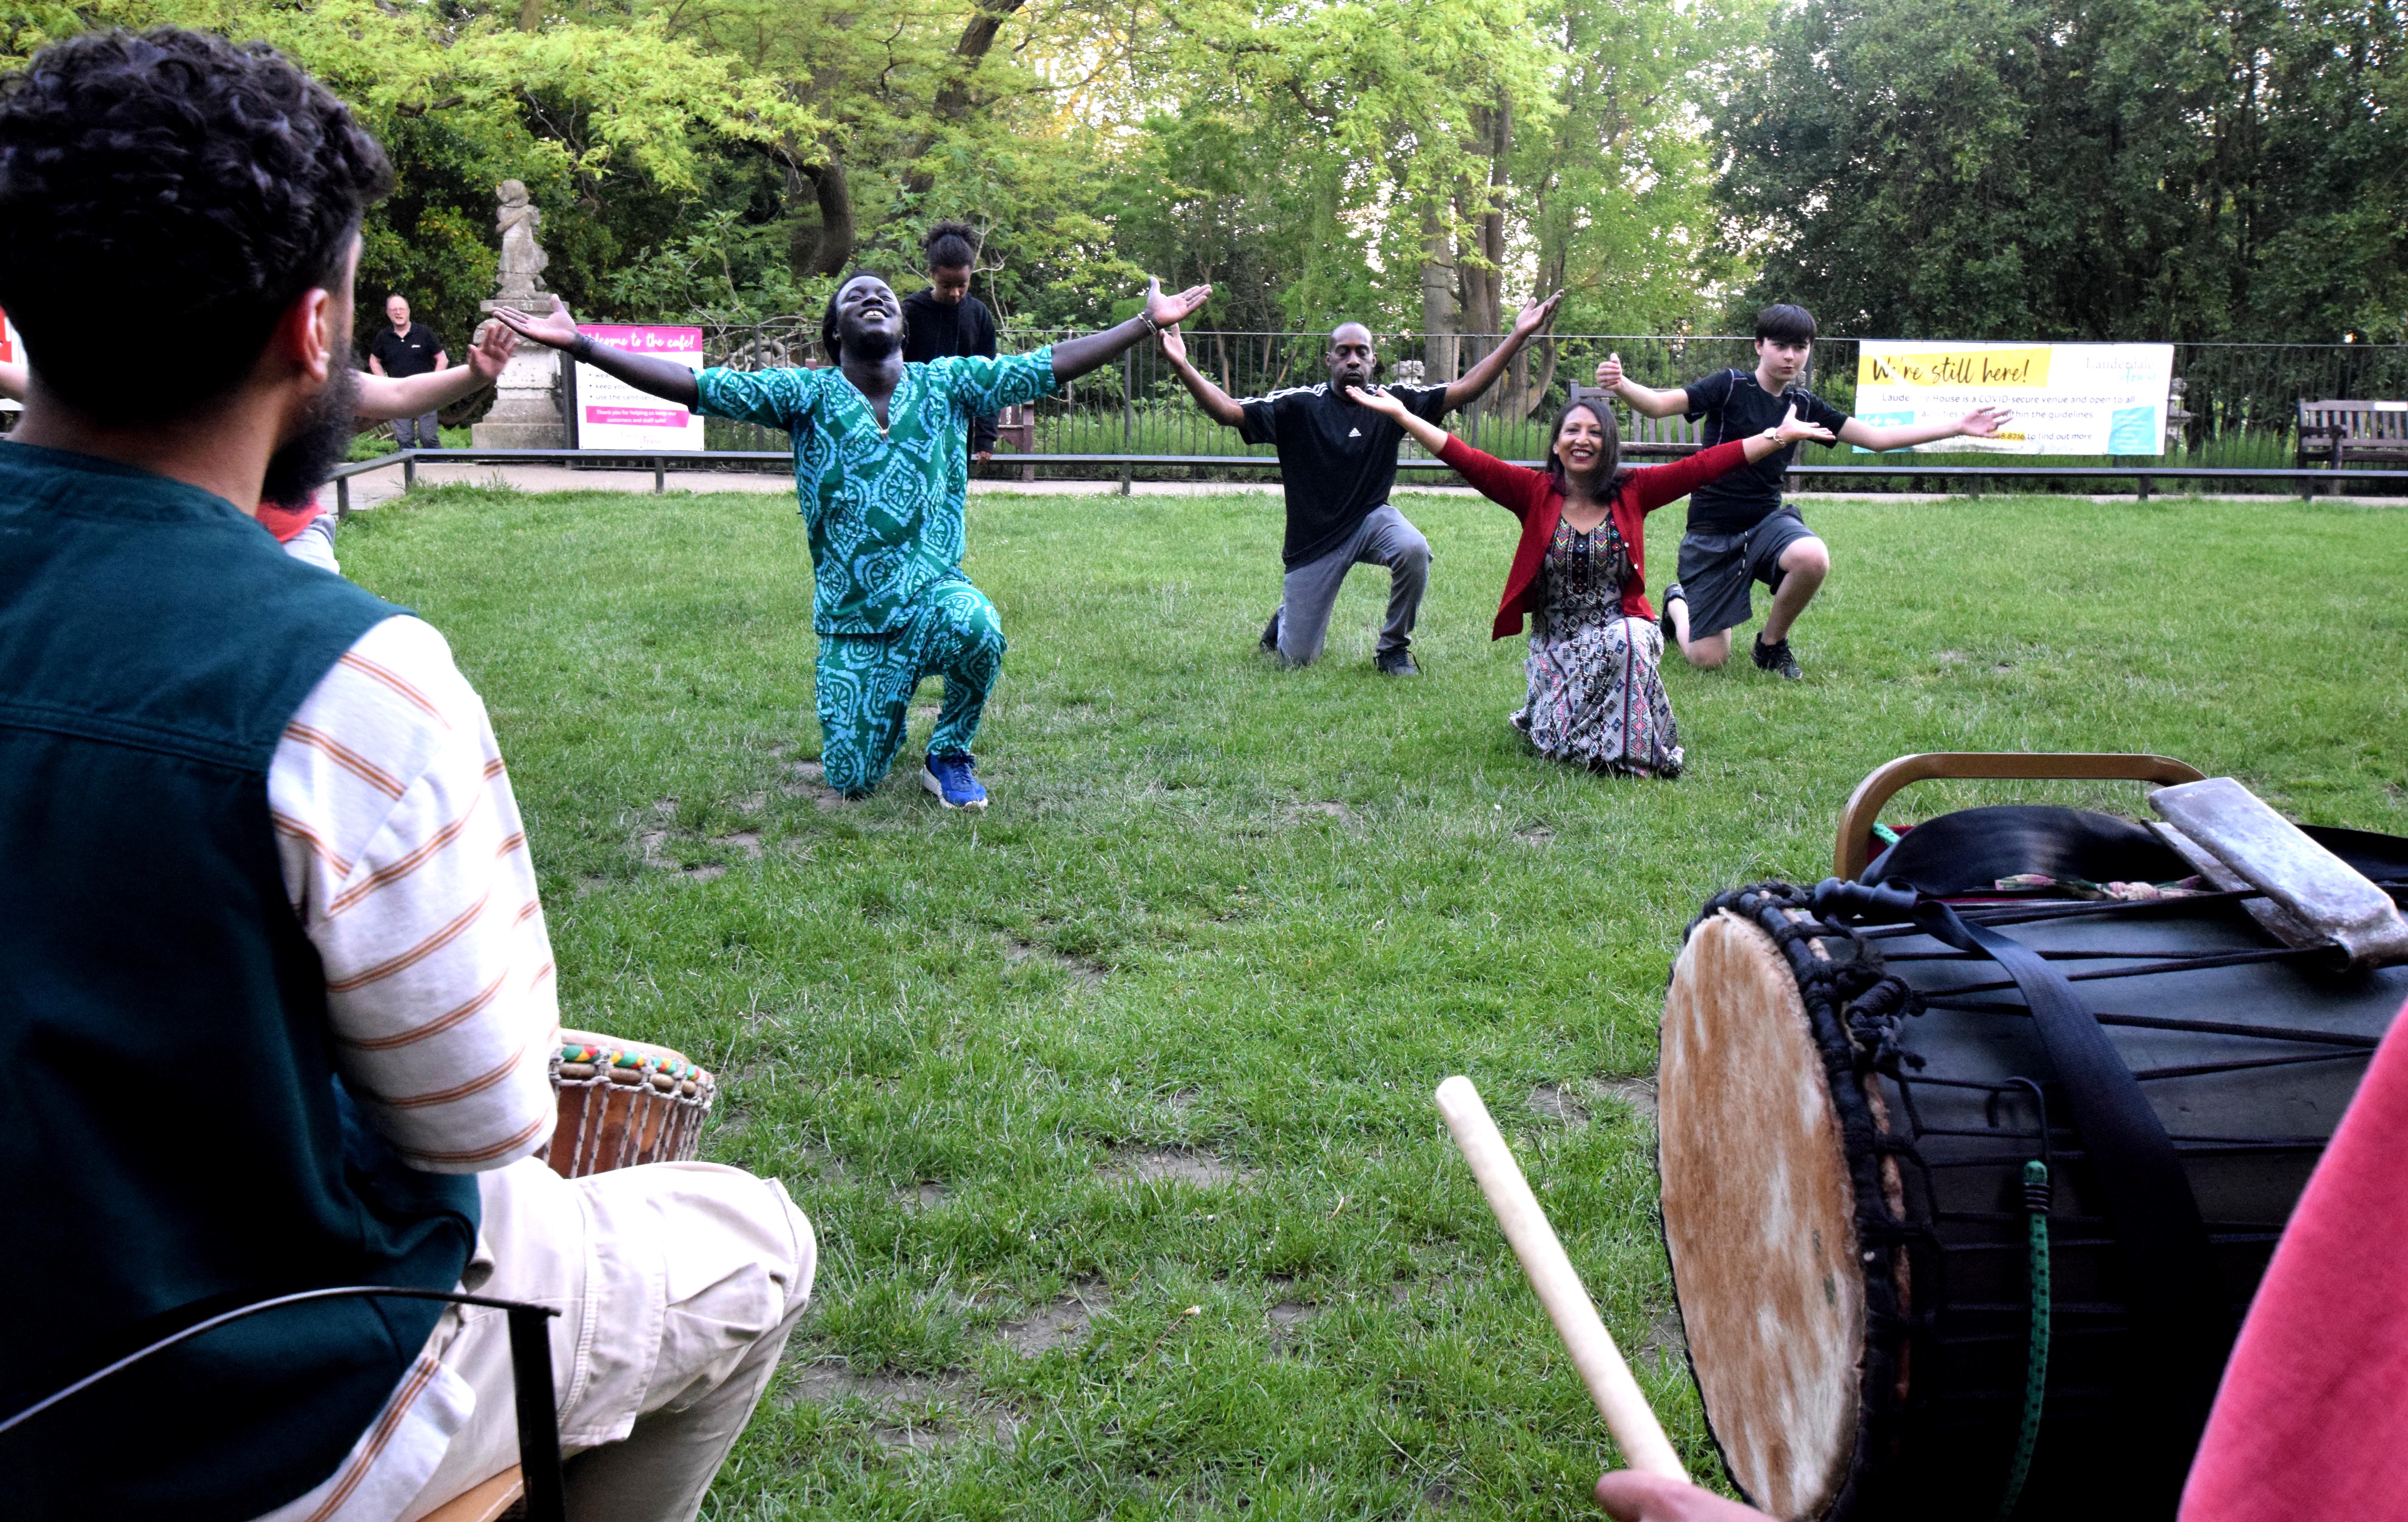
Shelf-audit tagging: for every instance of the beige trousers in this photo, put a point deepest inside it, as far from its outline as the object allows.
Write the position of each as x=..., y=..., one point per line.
x=677, y=1283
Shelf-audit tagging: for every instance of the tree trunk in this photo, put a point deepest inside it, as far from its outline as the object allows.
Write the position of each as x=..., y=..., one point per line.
x=1483, y=210
x=1437, y=298
x=530, y=15
x=827, y=248
x=954, y=101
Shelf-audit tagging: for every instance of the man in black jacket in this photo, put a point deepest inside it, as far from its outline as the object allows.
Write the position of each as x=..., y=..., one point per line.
x=945, y=320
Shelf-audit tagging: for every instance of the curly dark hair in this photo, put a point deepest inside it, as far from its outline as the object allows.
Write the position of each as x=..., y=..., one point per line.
x=951, y=245
x=169, y=175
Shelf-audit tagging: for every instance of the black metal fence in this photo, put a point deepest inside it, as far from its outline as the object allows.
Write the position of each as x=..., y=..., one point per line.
x=2243, y=397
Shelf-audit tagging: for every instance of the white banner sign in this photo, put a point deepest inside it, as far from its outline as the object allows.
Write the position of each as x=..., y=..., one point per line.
x=611, y=415
x=2067, y=399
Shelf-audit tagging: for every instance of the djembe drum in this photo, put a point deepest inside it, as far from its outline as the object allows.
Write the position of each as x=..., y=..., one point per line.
x=624, y=1103
x=1884, y=1216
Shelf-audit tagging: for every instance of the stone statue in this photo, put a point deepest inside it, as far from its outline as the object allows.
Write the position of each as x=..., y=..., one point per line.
x=523, y=258
x=527, y=411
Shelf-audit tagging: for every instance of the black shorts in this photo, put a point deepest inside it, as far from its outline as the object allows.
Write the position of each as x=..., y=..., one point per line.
x=1716, y=569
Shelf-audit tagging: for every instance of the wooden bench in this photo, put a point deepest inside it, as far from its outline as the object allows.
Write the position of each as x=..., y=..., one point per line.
x=1643, y=437
x=2347, y=431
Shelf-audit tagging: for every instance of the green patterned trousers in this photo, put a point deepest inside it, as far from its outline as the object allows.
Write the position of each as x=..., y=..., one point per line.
x=866, y=683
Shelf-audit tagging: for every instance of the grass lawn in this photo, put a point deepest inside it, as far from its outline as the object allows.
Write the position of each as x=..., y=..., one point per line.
x=1112, y=1106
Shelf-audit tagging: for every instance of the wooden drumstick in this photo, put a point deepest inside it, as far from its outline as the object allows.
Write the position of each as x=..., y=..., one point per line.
x=1618, y=1395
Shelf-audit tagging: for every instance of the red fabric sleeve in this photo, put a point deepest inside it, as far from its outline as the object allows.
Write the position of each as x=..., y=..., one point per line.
x=1657, y=484
x=2312, y=1422
x=1511, y=486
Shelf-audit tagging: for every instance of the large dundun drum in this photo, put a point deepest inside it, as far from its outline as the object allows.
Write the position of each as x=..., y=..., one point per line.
x=1845, y=1128
x=624, y=1103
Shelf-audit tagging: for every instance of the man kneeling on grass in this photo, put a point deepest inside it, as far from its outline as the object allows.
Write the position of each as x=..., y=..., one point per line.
x=1740, y=530
x=882, y=471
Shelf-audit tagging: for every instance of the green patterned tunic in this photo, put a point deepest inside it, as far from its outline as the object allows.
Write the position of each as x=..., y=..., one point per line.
x=883, y=507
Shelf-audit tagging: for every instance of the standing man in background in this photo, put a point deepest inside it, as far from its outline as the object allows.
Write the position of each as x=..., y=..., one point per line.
x=402, y=350
x=946, y=321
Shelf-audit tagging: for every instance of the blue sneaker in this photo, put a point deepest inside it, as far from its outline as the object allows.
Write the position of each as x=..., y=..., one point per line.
x=952, y=777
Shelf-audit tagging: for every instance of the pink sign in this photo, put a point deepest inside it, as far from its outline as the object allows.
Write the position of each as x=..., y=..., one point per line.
x=639, y=417
x=611, y=415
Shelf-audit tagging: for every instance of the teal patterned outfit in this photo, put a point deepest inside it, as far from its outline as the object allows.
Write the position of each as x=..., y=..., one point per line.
x=883, y=507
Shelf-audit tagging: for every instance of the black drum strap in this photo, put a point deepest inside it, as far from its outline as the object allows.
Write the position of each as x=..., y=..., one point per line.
x=2180, y=1312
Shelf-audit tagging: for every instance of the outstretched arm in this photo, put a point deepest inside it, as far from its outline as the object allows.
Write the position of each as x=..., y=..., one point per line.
x=1662, y=483
x=1483, y=375
x=1212, y=398
x=382, y=396
x=1075, y=357
x=1639, y=399
x=1426, y=433
x=1981, y=423
x=662, y=378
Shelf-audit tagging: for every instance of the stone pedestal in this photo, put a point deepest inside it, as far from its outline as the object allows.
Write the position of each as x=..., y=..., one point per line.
x=528, y=410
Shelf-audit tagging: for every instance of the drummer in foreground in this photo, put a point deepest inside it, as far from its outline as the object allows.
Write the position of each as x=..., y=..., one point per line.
x=2312, y=1418
x=274, y=978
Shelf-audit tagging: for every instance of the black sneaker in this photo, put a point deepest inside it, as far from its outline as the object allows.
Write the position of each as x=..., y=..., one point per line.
x=1672, y=594
x=1777, y=659
x=1270, y=635
x=1397, y=663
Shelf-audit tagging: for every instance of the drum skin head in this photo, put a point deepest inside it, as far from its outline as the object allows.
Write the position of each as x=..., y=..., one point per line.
x=1759, y=1219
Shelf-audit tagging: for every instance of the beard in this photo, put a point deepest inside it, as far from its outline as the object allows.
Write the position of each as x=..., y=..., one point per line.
x=308, y=460
x=871, y=345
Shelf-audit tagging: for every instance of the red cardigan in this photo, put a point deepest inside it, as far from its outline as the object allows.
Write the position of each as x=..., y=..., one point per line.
x=1532, y=497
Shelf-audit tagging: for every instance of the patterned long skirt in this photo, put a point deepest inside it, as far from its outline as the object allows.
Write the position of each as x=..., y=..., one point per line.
x=1597, y=698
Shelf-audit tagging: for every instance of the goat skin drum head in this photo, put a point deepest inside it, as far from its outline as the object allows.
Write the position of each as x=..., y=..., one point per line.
x=1760, y=1219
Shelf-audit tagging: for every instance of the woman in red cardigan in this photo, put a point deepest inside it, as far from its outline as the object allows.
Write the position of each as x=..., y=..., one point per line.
x=1597, y=695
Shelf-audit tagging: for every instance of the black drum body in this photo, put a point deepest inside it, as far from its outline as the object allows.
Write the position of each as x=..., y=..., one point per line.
x=1847, y=1117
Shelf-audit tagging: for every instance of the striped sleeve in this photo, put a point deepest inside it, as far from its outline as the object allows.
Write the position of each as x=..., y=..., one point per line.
x=405, y=856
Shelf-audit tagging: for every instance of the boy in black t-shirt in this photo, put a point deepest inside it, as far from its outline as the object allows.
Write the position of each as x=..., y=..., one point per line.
x=945, y=321
x=1739, y=529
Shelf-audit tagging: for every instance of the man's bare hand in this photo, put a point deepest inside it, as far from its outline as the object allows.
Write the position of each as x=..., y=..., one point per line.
x=554, y=331
x=984, y=455
x=1985, y=422
x=1609, y=372
x=1791, y=431
x=1538, y=314
x=495, y=343
x=1172, y=344
x=1629, y=1496
x=1169, y=312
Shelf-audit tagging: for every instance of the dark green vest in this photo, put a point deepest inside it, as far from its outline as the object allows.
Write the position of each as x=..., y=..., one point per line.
x=174, y=1140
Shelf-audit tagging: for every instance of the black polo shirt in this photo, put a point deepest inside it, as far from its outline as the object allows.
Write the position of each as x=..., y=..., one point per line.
x=1735, y=406
x=406, y=354
x=1338, y=458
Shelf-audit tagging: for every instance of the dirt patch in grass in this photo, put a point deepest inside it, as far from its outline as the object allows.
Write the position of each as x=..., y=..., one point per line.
x=1079, y=968
x=900, y=1417
x=1168, y=1165
x=1306, y=813
x=1638, y=1093
x=808, y=779
x=1062, y=1324
x=1557, y=1101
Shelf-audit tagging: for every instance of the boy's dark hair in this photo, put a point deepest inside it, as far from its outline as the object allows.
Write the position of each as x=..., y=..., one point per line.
x=1784, y=323
x=169, y=173
x=952, y=244
x=1611, y=460
x=828, y=344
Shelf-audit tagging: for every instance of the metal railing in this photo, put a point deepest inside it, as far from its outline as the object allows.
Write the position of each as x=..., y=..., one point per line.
x=2243, y=398
x=1973, y=478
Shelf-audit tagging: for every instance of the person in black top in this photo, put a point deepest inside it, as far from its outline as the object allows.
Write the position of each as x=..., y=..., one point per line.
x=1739, y=529
x=1337, y=461
x=946, y=320
x=402, y=350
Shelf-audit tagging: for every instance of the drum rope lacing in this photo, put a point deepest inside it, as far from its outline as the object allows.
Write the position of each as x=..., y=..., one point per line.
x=2037, y=1200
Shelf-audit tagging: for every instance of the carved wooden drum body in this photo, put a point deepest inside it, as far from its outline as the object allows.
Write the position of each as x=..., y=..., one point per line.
x=623, y=1103
x=1847, y=1117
